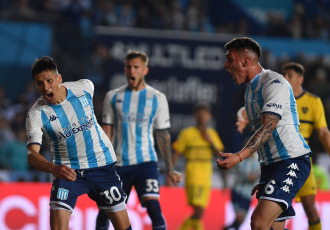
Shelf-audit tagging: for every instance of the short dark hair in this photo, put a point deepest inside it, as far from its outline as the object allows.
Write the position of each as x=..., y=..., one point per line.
x=244, y=42
x=43, y=63
x=295, y=66
x=202, y=105
x=134, y=54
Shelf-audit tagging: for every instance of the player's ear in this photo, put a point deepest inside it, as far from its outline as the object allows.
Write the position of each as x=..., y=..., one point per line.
x=146, y=70
x=59, y=79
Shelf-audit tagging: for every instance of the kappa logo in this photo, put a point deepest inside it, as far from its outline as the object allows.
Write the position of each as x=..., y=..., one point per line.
x=294, y=166
x=62, y=194
x=288, y=181
x=275, y=81
x=286, y=188
x=52, y=118
x=292, y=174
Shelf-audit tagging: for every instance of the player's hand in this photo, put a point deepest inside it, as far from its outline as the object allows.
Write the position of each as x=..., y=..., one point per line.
x=64, y=172
x=254, y=190
x=227, y=160
x=241, y=124
x=175, y=176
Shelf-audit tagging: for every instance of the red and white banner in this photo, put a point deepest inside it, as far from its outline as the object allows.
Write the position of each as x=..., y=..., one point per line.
x=25, y=206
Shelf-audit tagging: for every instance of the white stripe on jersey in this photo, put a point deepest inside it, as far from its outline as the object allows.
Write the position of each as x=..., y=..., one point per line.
x=271, y=92
x=76, y=139
x=135, y=114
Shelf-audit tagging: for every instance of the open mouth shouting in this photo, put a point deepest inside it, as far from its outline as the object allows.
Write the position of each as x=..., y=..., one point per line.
x=49, y=96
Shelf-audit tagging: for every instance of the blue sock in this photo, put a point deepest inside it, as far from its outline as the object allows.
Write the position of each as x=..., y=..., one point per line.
x=155, y=214
x=102, y=221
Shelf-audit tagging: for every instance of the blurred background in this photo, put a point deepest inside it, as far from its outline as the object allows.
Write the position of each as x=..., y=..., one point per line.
x=184, y=40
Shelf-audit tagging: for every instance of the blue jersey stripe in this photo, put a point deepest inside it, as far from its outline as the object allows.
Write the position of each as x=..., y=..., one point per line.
x=70, y=138
x=280, y=146
x=113, y=104
x=106, y=151
x=79, y=110
x=246, y=101
x=268, y=153
x=260, y=99
x=152, y=115
x=138, y=127
x=125, y=126
x=52, y=135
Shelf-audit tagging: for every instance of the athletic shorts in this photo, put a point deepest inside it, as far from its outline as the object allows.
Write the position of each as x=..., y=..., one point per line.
x=102, y=185
x=144, y=177
x=240, y=203
x=280, y=182
x=309, y=188
x=198, y=195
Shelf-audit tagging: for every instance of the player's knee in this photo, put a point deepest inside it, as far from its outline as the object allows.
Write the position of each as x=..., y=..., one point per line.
x=155, y=214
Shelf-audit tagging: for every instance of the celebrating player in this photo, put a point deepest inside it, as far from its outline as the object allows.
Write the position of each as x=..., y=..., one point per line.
x=84, y=159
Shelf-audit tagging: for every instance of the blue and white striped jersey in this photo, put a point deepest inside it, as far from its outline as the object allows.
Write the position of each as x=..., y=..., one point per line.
x=270, y=92
x=134, y=115
x=71, y=128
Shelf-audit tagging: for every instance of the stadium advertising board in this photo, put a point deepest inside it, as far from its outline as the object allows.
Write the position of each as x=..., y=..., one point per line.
x=25, y=206
x=186, y=69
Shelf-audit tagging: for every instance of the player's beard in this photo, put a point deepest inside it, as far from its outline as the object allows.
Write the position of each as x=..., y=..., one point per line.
x=137, y=85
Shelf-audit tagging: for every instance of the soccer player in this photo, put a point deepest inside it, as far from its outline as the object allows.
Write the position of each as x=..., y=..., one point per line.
x=311, y=116
x=197, y=144
x=130, y=115
x=84, y=159
x=284, y=156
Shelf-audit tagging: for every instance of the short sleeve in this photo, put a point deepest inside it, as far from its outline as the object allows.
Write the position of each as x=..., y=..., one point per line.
x=180, y=144
x=33, y=128
x=276, y=94
x=108, y=115
x=162, y=119
x=319, y=119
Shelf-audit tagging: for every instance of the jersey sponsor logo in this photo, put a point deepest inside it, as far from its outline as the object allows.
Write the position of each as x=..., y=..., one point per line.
x=304, y=109
x=62, y=194
x=73, y=129
x=277, y=106
x=275, y=81
x=286, y=188
x=52, y=118
x=119, y=101
x=83, y=100
x=129, y=118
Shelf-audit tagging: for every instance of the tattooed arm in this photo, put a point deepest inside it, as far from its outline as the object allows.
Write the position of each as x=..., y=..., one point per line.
x=269, y=122
x=163, y=138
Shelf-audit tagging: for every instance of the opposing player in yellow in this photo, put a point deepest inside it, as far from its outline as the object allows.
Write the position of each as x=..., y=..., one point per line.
x=198, y=144
x=311, y=115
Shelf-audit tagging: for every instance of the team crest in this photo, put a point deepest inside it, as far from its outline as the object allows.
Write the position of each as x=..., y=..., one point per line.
x=83, y=100
x=255, y=96
x=304, y=109
x=62, y=194
x=149, y=102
